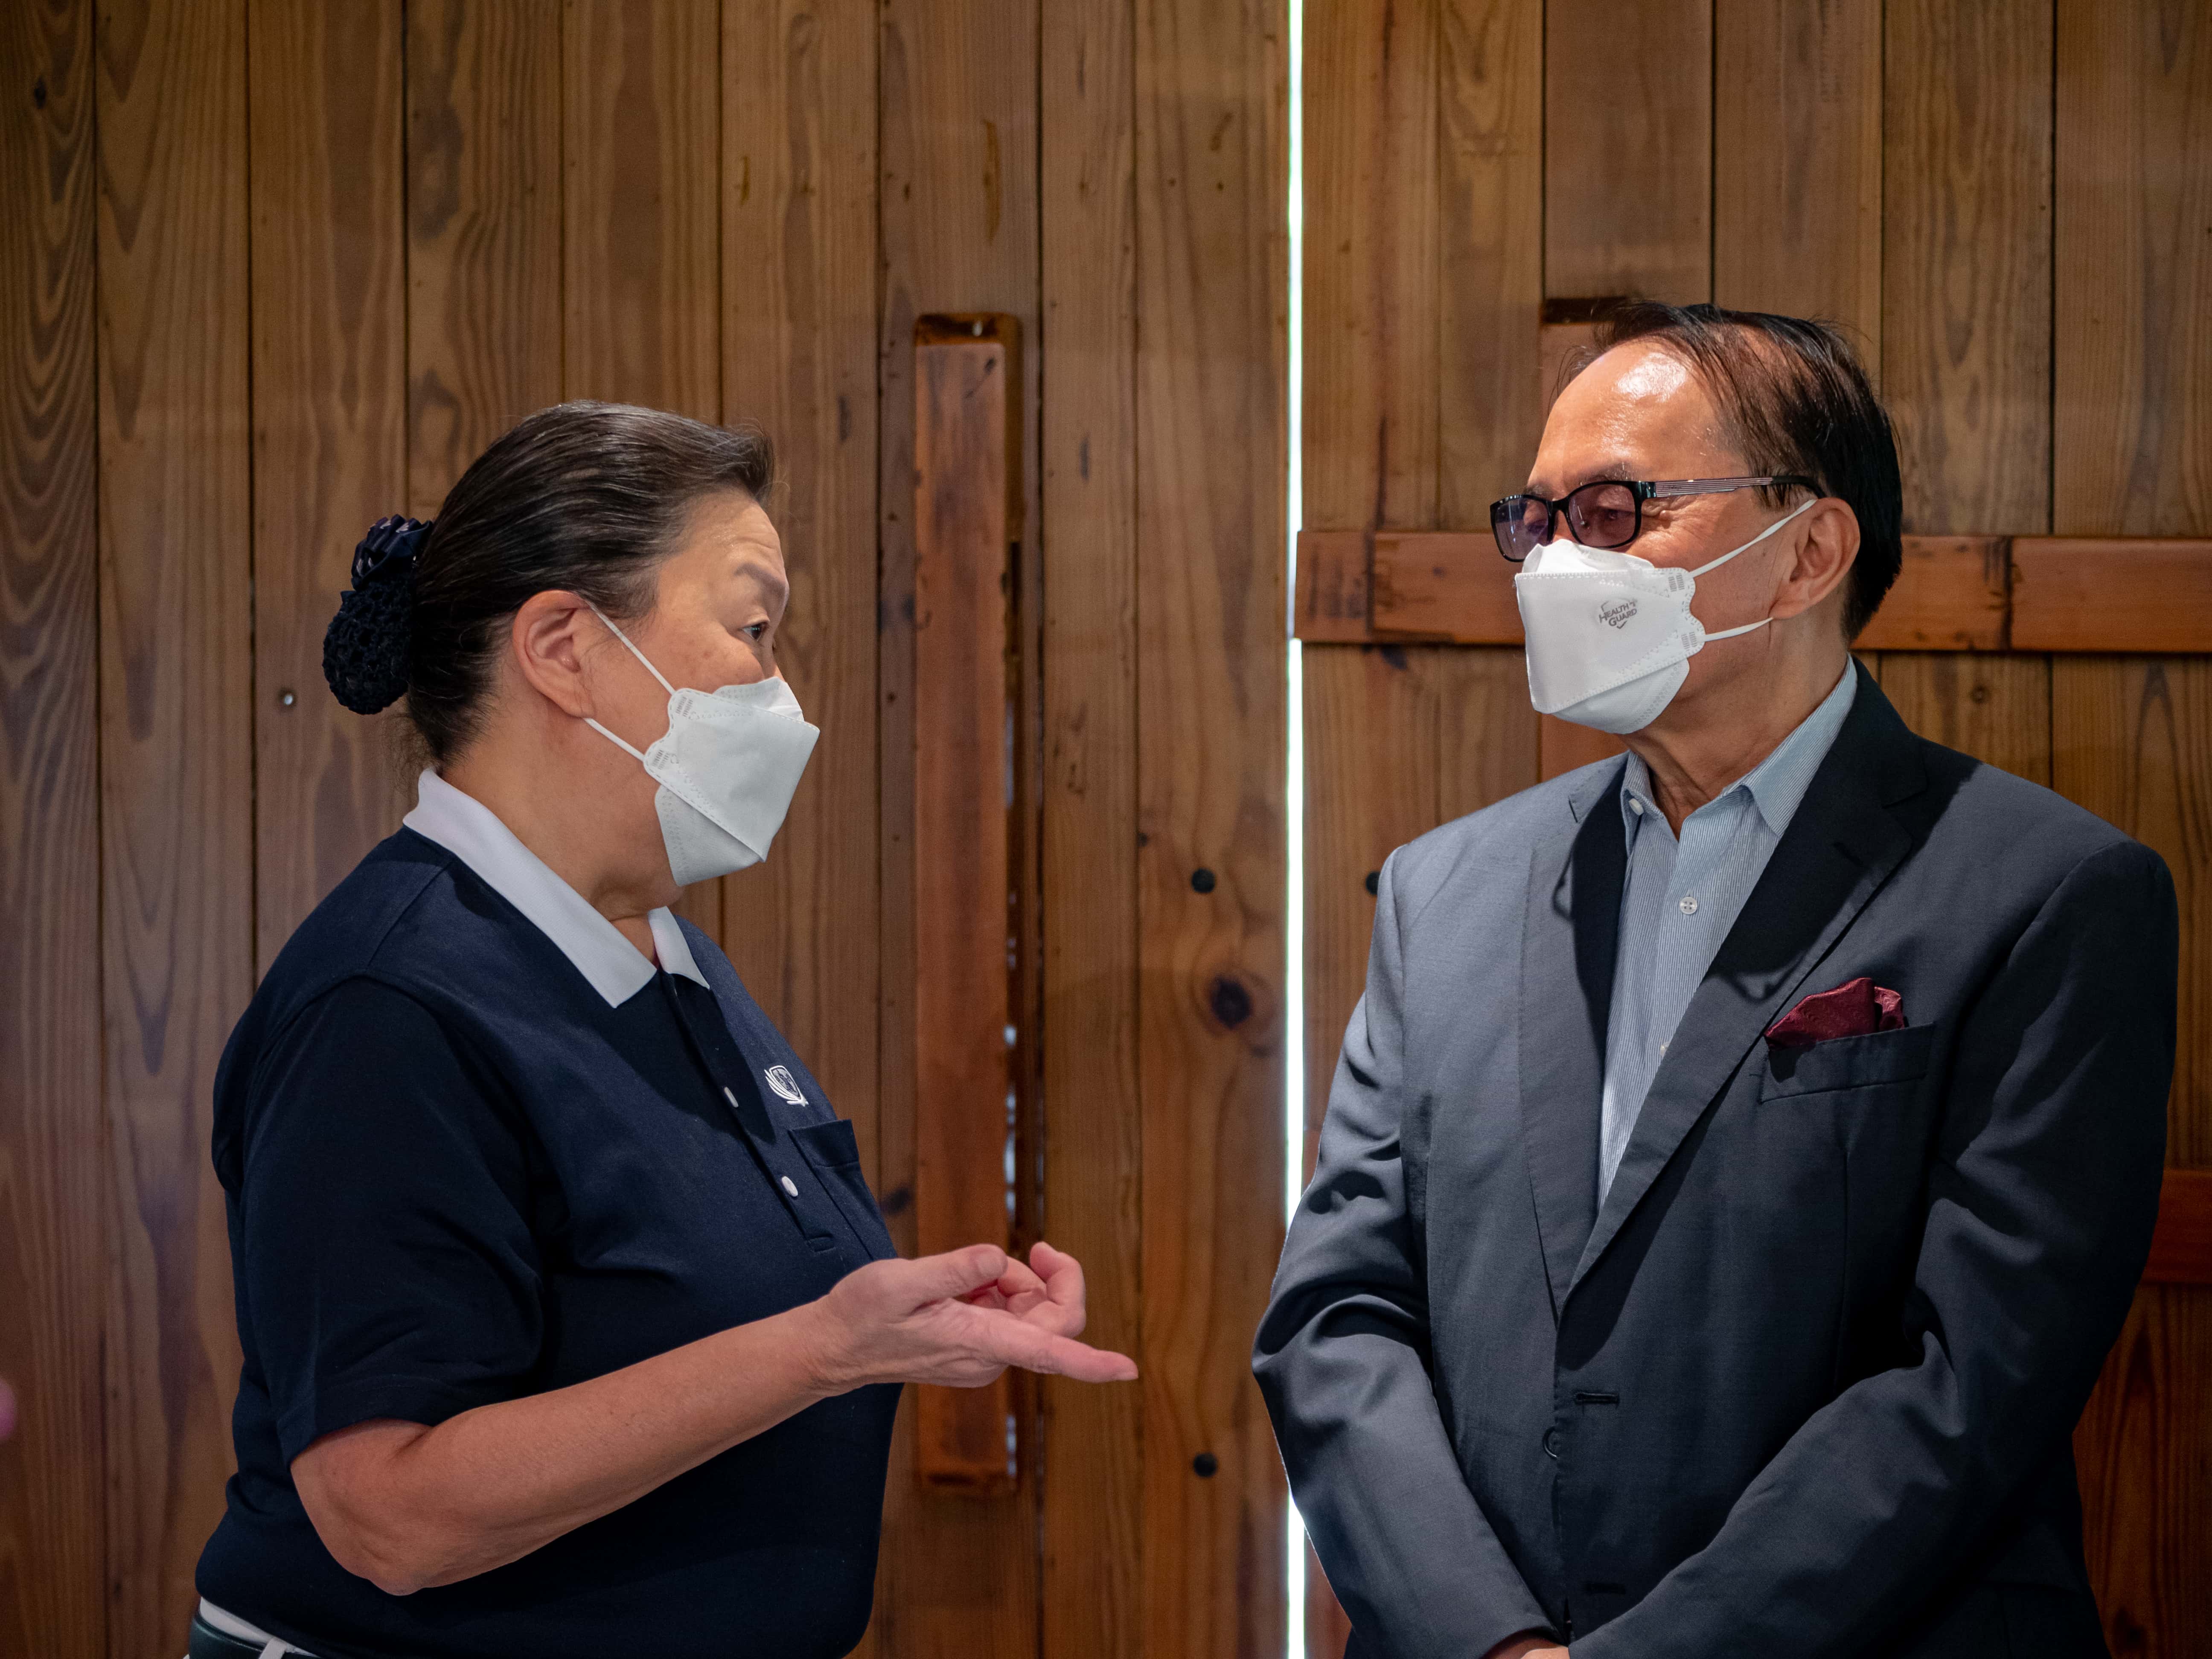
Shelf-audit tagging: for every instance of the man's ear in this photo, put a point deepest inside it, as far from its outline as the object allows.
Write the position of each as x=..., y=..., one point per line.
x=550, y=642
x=1826, y=548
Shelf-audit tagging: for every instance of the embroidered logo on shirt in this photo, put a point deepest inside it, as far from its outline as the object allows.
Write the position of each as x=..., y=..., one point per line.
x=780, y=1079
x=1615, y=613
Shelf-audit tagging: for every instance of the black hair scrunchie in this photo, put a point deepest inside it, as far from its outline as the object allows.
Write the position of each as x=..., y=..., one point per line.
x=365, y=647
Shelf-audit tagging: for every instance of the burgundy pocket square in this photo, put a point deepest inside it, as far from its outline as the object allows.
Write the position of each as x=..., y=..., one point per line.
x=1855, y=1009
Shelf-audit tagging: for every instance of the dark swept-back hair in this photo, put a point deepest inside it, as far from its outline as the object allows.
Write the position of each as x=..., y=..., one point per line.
x=587, y=497
x=1793, y=398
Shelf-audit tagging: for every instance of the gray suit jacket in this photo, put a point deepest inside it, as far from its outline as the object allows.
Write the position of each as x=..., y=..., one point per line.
x=1804, y=1383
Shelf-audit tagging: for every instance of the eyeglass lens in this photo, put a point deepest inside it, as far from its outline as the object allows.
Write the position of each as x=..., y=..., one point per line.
x=1601, y=514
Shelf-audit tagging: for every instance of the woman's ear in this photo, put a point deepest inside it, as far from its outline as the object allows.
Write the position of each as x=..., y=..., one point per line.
x=1825, y=553
x=550, y=642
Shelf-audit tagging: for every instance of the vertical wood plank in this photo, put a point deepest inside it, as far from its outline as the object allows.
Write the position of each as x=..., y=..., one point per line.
x=957, y=181
x=176, y=772
x=1371, y=278
x=1094, y=1543
x=483, y=231
x=1966, y=333
x=641, y=249
x=2144, y=1449
x=1797, y=161
x=1211, y=159
x=1994, y=707
x=330, y=439
x=964, y=995
x=1628, y=104
x=641, y=240
x=2132, y=741
x=1490, y=143
x=798, y=357
x=52, y=1179
x=2133, y=379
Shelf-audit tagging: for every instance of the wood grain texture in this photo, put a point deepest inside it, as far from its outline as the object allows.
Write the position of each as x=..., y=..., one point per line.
x=2132, y=383
x=1409, y=737
x=1490, y=181
x=797, y=312
x=483, y=231
x=1952, y=593
x=1628, y=109
x=1092, y=1522
x=1211, y=157
x=1966, y=333
x=1371, y=278
x=1443, y=585
x=2143, y=1450
x=176, y=528
x=1995, y=707
x=53, y=1171
x=2181, y=1249
x=329, y=429
x=1333, y=584
x=2086, y=594
x=1562, y=746
x=1797, y=161
x=956, y=183
x=641, y=240
x=965, y=486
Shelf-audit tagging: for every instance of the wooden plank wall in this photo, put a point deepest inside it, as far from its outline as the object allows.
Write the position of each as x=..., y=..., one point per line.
x=2029, y=275
x=274, y=269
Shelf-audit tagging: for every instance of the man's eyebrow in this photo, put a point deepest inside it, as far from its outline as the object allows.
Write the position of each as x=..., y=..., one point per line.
x=1613, y=469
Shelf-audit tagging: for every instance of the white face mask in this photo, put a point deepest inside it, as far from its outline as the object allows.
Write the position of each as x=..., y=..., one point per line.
x=1609, y=635
x=727, y=767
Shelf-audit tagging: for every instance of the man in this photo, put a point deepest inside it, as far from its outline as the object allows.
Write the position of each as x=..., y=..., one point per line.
x=1745, y=1151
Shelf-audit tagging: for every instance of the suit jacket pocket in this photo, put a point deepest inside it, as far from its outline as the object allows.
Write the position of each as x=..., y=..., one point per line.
x=1851, y=1063
x=836, y=1155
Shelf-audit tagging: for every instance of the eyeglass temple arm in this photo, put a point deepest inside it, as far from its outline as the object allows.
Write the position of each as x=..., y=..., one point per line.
x=1722, y=486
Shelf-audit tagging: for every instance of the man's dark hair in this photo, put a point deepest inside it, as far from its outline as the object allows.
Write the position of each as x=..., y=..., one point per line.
x=588, y=497
x=1795, y=399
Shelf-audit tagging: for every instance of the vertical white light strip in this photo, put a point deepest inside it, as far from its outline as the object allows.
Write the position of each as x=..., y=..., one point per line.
x=1294, y=793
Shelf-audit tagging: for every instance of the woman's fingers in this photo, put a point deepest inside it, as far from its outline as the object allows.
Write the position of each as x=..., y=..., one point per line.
x=1012, y=1341
x=954, y=1275
x=1061, y=1308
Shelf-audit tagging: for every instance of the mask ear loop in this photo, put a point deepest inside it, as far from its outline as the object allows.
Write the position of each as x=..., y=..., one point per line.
x=635, y=754
x=1749, y=627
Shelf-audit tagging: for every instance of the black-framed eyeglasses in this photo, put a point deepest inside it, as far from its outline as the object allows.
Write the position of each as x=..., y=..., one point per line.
x=1605, y=512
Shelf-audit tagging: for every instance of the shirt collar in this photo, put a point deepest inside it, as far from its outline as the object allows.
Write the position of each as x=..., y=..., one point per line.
x=473, y=832
x=1777, y=784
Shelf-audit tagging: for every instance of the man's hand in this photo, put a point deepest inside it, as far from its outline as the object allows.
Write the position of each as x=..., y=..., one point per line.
x=1529, y=1645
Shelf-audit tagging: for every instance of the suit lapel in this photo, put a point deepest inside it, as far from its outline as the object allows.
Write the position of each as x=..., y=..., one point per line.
x=1568, y=940
x=1840, y=848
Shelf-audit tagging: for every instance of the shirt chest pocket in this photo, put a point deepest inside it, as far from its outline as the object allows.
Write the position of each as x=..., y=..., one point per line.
x=1876, y=1060
x=833, y=1153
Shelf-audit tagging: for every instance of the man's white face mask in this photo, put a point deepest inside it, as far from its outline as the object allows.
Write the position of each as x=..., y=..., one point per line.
x=728, y=767
x=1609, y=635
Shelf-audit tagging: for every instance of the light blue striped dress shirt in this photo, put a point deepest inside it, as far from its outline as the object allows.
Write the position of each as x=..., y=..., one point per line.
x=1682, y=898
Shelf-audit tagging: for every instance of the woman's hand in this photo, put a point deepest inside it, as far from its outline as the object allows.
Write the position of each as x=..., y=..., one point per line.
x=958, y=1319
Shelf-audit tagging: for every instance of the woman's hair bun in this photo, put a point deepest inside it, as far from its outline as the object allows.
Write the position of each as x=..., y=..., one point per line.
x=365, y=648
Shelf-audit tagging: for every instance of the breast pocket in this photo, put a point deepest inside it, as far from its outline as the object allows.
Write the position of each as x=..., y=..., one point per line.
x=1852, y=1062
x=834, y=1156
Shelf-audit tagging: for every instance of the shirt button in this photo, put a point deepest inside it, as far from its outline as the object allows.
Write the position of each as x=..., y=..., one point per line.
x=1689, y=906
x=790, y=1187
x=1636, y=806
x=1551, y=1444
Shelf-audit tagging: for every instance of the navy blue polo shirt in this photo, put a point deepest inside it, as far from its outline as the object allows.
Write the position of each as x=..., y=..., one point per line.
x=458, y=1173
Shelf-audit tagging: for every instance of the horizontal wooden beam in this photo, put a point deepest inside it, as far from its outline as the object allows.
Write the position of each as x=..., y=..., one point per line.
x=1954, y=593
x=2111, y=594
x=2181, y=1249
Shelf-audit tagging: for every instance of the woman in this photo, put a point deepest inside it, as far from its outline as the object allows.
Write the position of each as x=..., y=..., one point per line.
x=570, y=1326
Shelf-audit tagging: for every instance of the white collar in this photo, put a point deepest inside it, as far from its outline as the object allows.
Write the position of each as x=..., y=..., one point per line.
x=473, y=832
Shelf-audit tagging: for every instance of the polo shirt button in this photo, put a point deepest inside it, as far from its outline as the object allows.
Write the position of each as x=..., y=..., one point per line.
x=1551, y=1444
x=790, y=1187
